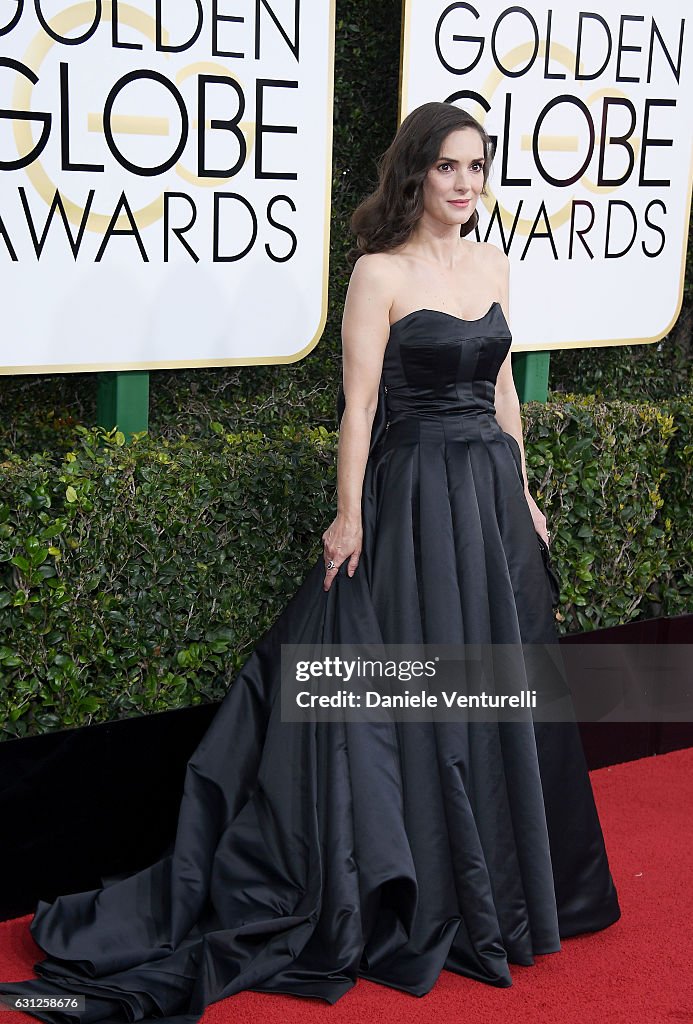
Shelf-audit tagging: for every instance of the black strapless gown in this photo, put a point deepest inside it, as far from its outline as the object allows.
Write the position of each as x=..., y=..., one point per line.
x=307, y=855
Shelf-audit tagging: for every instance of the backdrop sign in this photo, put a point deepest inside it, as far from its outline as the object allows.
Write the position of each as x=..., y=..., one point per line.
x=165, y=172
x=590, y=188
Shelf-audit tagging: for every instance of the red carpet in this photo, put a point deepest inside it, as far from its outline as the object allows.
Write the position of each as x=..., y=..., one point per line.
x=639, y=971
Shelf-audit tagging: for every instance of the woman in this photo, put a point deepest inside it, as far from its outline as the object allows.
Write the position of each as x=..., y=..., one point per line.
x=414, y=257
x=308, y=854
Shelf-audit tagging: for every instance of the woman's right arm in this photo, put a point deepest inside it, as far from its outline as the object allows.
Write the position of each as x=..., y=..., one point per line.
x=365, y=331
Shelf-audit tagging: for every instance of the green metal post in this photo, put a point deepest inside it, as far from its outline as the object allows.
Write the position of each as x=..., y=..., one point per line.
x=531, y=375
x=123, y=401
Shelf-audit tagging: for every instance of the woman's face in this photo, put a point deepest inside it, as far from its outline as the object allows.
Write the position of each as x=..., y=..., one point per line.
x=454, y=183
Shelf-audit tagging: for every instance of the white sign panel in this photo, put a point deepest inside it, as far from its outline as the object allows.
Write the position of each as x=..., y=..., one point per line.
x=590, y=188
x=165, y=173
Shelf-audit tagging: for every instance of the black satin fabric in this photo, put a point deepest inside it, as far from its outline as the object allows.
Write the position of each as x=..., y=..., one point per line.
x=307, y=855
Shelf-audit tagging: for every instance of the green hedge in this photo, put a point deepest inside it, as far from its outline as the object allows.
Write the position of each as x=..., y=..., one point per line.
x=614, y=480
x=136, y=578
x=131, y=575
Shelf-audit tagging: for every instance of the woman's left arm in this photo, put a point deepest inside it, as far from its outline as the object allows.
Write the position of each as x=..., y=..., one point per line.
x=507, y=402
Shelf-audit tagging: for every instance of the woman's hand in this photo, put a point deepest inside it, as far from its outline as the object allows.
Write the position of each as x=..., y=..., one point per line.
x=342, y=539
x=538, y=518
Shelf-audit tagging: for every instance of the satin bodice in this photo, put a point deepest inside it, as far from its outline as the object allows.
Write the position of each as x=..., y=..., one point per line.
x=438, y=379
x=437, y=364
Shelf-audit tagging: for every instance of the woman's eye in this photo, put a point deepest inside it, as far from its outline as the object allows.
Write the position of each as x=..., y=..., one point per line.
x=443, y=166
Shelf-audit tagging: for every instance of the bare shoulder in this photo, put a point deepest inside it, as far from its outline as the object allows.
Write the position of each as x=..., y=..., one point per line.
x=372, y=281
x=493, y=255
x=494, y=264
x=374, y=268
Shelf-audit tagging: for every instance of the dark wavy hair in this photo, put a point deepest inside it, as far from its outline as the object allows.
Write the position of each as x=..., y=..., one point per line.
x=386, y=218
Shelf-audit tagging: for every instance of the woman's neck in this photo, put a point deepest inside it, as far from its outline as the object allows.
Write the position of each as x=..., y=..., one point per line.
x=438, y=243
